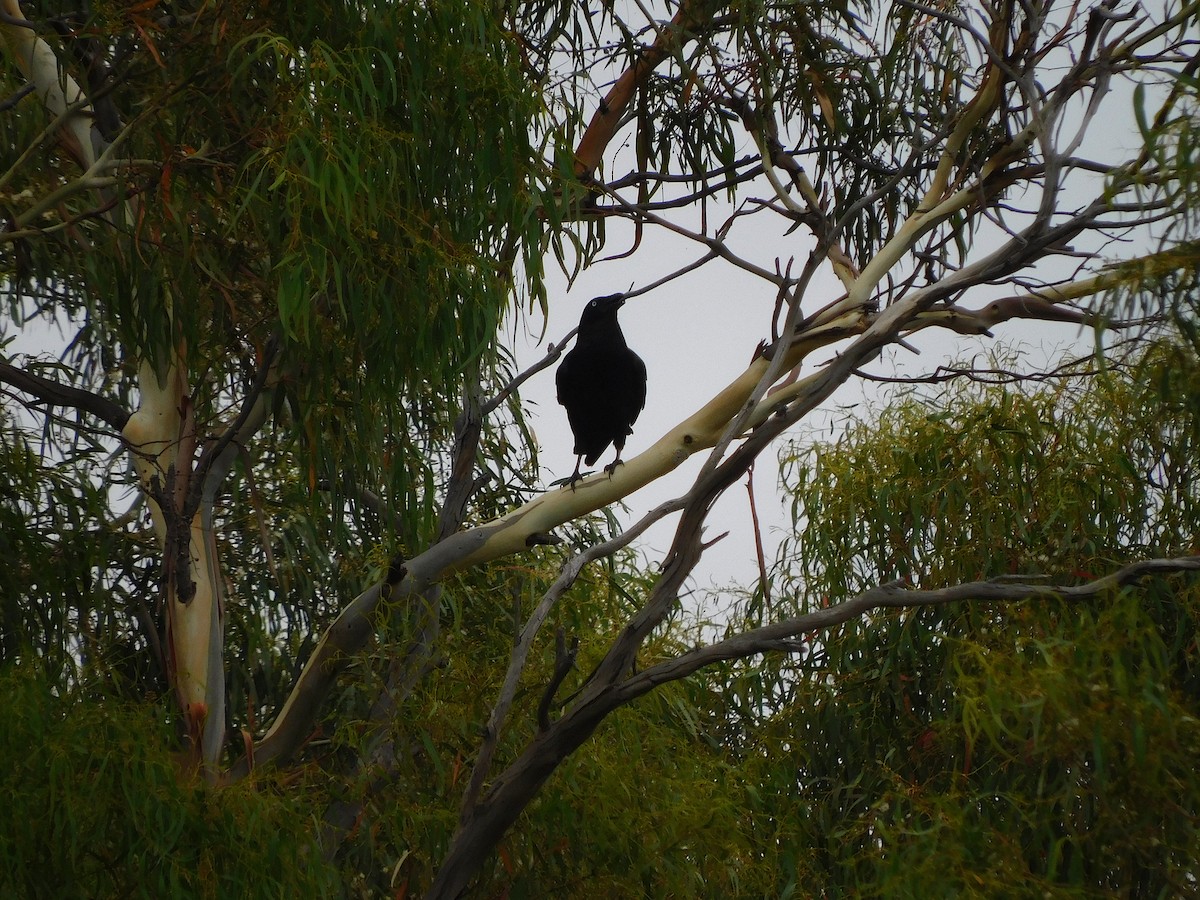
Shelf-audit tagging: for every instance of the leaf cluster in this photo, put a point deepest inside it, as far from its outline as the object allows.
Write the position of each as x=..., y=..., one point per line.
x=95, y=804
x=1044, y=748
x=1016, y=482
x=351, y=181
x=73, y=594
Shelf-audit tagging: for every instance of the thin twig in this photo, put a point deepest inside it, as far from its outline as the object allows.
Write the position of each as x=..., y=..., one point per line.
x=553, y=352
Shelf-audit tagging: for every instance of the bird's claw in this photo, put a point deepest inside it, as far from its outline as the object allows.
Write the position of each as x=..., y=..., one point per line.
x=575, y=476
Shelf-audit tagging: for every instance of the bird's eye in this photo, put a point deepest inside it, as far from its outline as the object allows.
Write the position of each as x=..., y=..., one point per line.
x=593, y=304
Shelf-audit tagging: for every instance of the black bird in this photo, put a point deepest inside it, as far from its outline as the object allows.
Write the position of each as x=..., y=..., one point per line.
x=602, y=383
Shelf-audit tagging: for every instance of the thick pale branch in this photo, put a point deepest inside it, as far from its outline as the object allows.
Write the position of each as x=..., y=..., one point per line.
x=160, y=434
x=700, y=431
x=346, y=636
x=514, y=533
x=919, y=224
x=980, y=108
x=58, y=91
x=941, y=202
x=1034, y=243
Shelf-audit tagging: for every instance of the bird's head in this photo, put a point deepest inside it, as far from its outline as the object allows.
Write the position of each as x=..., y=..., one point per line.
x=601, y=309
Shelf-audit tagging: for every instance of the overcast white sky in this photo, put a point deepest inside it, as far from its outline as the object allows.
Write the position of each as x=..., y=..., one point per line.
x=698, y=332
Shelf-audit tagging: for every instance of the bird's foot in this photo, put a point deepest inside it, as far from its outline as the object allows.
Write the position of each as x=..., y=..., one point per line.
x=575, y=476
x=612, y=466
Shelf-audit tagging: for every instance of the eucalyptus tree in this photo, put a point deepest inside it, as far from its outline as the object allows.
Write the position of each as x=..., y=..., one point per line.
x=1044, y=748
x=280, y=240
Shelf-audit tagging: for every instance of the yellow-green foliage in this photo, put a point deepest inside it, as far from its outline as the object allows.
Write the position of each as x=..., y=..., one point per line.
x=975, y=483
x=648, y=807
x=95, y=806
x=1037, y=749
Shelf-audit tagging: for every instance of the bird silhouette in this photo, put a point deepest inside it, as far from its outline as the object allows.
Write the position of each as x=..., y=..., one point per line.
x=602, y=384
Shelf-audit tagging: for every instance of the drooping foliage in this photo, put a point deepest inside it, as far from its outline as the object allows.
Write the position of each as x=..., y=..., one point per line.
x=271, y=244
x=1092, y=476
x=328, y=182
x=1046, y=747
x=333, y=182
x=95, y=806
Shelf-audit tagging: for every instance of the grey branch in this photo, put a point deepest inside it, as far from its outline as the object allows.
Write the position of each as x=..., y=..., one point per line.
x=54, y=393
x=522, y=780
x=781, y=636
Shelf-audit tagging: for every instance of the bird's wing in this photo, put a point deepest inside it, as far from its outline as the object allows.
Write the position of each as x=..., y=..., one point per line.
x=562, y=377
x=637, y=389
x=631, y=388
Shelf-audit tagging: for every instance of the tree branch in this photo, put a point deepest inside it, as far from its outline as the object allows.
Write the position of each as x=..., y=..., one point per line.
x=512, y=792
x=780, y=636
x=690, y=17
x=569, y=573
x=553, y=352
x=53, y=393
